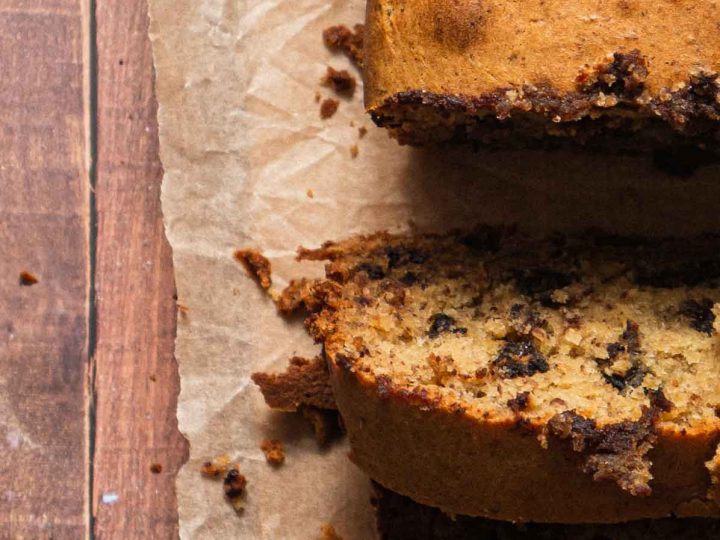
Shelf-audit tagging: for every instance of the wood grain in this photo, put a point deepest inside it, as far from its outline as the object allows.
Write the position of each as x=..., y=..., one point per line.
x=136, y=381
x=44, y=213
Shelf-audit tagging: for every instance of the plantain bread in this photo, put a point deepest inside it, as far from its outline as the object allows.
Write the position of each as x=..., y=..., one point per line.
x=622, y=73
x=558, y=379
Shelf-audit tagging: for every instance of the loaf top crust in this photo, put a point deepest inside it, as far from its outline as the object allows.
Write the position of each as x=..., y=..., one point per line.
x=477, y=47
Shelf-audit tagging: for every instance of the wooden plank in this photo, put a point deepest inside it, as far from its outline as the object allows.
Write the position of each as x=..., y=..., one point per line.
x=136, y=381
x=44, y=224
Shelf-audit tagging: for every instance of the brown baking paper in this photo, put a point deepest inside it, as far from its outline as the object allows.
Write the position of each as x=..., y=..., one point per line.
x=249, y=163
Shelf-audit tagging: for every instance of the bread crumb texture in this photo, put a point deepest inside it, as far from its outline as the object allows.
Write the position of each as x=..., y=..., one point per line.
x=603, y=348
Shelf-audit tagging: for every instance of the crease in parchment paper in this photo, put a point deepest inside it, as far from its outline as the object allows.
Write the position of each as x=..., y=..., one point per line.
x=242, y=143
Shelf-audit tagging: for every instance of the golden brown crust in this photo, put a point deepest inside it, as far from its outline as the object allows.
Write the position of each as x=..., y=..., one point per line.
x=418, y=431
x=556, y=68
x=439, y=457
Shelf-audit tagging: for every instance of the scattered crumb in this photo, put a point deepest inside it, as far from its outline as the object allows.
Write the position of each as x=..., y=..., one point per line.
x=328, y=108
x=341, y=81
x=274, y=451
x=183, y=309
x=350, y=42
x=234, y=487
x=156, y=468
x=234, y=483
x=27, y=278
x=362, y=131
x=310, y=193
x=153, y=378
x=354, y=151
x=217, y=467
x=328, y=532
x=318, y=96
x=256, y=265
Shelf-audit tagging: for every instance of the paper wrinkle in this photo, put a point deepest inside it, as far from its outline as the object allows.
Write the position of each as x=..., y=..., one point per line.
x=241, y=144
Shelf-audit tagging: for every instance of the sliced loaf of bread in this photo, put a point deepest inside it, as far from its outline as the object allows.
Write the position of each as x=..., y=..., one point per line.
x=563, y=379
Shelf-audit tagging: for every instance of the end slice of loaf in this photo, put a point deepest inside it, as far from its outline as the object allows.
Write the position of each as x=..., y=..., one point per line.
x=623, y=74
x=567, y=379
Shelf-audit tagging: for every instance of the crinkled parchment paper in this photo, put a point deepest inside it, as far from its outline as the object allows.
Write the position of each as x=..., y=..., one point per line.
x=242, y=144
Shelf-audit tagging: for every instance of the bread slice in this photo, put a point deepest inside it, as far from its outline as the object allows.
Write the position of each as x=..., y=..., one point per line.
x=520, y=72
x=400, y=518
x=554, y=380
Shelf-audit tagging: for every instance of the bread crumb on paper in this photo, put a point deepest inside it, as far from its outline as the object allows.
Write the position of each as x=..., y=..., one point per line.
x=234, y=482
x=234, y=486
x=340, y=38
x=354, y=151
x=340, y=80
x=257, y=265
x=215, y=468
x=328, y=108
x=274, y=451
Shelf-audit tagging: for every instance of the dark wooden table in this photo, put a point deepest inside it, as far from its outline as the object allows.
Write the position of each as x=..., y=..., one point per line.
x=88, y=381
